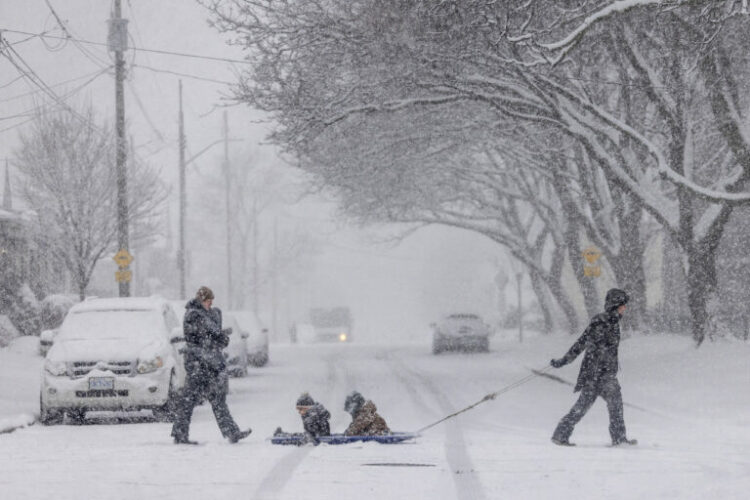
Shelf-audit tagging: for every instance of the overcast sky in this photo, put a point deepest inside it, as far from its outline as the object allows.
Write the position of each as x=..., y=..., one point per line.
x=394, y=290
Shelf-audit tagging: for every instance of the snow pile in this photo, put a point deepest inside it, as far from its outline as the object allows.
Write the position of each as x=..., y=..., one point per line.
x=10, y=424
x=8, y=331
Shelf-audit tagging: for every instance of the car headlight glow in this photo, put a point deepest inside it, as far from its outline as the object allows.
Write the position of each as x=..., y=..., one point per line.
x=150, y=365
x=56, y=368
x=342, y=337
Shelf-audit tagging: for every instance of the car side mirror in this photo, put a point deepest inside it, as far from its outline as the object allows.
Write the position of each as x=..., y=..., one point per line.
x=176, y=336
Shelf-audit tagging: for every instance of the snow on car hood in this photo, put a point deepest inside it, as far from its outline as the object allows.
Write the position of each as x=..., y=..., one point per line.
x=104, y=350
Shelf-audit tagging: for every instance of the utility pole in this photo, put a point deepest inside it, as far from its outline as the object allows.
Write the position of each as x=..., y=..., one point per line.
x=275, y=279
x=227, y=200
x=519, y=278
x=118, y=40
x=183, y=199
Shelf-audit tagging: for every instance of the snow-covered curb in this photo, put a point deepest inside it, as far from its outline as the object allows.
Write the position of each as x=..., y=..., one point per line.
x=10, y=424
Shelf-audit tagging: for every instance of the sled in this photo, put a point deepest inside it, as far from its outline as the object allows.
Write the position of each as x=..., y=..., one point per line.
x=298, y=439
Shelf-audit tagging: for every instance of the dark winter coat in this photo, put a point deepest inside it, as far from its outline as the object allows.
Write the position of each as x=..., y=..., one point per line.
x=315, y=421
x=601, y=341
x=204, y=338
x=367, y=422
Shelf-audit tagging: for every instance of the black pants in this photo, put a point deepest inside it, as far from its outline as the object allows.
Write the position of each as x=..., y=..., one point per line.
x=211, y=386
x=609, y=390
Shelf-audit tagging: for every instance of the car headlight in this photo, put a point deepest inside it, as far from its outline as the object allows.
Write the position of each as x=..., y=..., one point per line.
x=150, y=365
x=342, y=337
x=56, y=368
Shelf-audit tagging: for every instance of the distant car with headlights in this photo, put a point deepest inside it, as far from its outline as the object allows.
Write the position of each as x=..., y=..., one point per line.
x=113, y=354
x=332, y=324
x=461, y=332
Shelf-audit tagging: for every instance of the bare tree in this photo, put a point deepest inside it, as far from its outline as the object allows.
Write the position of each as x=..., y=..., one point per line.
x=67, y=163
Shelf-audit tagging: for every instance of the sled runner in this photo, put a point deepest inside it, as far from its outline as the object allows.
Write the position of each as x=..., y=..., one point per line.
x=299, y=439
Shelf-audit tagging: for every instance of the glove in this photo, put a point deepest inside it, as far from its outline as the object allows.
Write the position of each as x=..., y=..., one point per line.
x=557, y=363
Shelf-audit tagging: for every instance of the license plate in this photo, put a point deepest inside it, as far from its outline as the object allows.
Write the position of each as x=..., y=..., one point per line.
x=101, y=383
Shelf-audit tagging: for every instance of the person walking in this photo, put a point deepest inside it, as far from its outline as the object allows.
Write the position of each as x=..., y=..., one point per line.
x=206, y=369
x=598, y=374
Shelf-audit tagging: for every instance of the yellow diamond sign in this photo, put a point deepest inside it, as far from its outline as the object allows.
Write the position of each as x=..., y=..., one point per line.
x=123, y=276
x=123, y=258
x=591, y=254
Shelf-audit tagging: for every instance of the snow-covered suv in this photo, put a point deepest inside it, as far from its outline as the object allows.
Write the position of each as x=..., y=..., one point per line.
x=463, y=332
x=113, y=354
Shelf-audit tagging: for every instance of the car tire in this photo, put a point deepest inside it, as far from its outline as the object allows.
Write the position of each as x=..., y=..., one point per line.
x=49, y=416
x=76, y=416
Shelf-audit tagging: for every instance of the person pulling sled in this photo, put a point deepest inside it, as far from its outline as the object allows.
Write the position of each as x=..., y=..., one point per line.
x=598, y=374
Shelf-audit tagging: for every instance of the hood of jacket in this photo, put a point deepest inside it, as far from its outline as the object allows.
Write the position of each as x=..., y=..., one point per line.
x=615, y=298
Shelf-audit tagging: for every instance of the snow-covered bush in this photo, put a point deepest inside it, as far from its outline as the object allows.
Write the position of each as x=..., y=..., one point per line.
x=25, y=312
x=8, y=331
x=53, y=310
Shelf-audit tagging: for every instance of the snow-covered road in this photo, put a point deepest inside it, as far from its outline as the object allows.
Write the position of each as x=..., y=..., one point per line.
x=689, y=409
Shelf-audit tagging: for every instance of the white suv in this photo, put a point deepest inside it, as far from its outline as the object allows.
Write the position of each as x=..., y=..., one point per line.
x=113, y=354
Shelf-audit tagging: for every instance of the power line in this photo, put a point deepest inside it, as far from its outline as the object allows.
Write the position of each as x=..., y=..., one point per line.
x=185, y=75
x=19, y=96
x=89, y=54
x=75, y=90
x=155, y=51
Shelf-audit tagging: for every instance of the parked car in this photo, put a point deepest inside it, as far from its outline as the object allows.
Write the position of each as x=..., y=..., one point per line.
x=236, y=352
x=113, y=354
x=257, y=337
x=461, y=332
x=46, y=339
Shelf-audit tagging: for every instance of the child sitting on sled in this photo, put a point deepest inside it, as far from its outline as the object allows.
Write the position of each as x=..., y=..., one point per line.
x=365, y=418
x=315, y=419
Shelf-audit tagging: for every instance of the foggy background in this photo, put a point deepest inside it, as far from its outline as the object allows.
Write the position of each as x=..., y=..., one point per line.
x=394, y=289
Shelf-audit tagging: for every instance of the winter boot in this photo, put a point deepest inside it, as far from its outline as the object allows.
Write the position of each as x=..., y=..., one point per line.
x=562, y=442
x=625, y=441
x=240, y=435
x=184, y=440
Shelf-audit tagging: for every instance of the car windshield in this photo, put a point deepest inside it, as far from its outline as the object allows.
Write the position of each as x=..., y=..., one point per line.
x=110, y=325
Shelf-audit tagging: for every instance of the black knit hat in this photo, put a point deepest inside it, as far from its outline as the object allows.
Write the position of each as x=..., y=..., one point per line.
x=305, y=400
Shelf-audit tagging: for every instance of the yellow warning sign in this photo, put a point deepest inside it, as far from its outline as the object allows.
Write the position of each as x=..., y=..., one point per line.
x=123, y=276
x=123, y=258
x=592, y=271
x=591, y=254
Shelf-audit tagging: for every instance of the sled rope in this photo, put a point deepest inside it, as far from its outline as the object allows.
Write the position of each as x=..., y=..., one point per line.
x=489, y=397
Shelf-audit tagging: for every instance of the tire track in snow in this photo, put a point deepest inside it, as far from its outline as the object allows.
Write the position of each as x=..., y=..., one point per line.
x=468, y=486
x=277, y=478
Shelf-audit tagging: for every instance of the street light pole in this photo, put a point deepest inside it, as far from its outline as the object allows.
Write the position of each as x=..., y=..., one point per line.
x=227, y=200
x=183, y=200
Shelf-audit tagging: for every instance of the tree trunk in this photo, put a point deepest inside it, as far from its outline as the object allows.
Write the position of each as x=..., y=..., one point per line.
x=628, y=266
x=540, y=290
x=701, y=275
x=556, y=289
